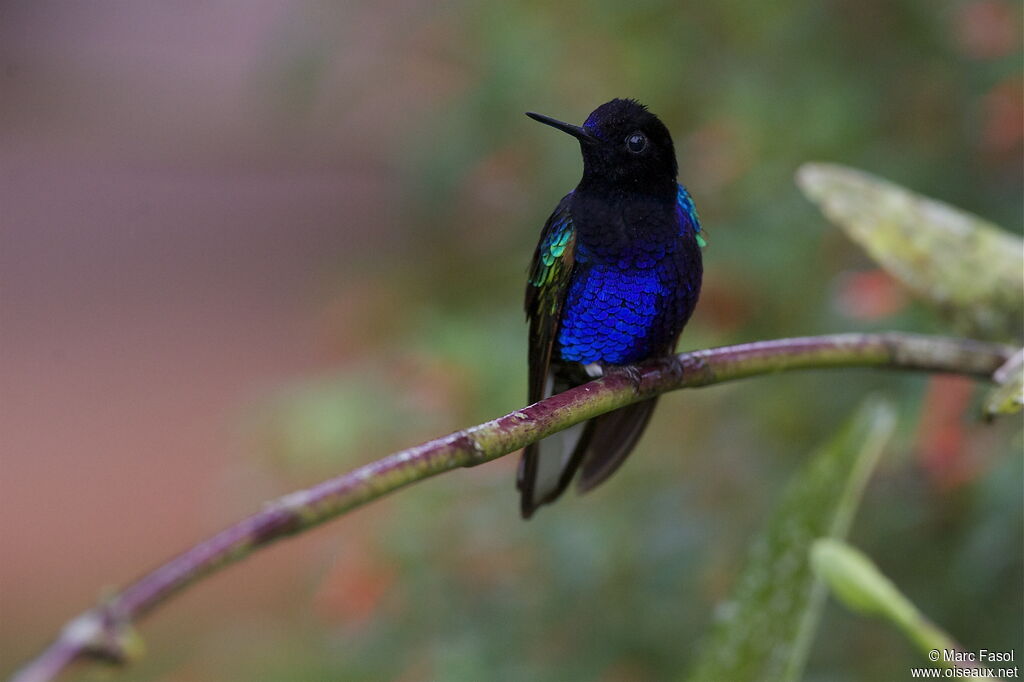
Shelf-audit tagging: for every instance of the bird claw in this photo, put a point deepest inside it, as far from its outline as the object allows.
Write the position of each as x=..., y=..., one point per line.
x=629, y=371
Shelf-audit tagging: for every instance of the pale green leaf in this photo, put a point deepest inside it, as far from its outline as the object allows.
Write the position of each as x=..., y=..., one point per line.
x=856, y=581
x=765, y=629
x=969, y=268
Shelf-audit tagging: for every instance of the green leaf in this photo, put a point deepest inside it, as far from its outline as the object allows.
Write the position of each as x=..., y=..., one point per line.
x=767, y=626
x=966, y=266
x=856, y=581
x=1008, y=396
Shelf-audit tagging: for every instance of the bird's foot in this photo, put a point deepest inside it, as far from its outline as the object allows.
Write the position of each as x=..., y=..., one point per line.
x=632, y=373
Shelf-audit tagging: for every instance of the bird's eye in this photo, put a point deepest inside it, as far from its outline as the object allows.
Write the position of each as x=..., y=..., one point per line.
x=636, y=142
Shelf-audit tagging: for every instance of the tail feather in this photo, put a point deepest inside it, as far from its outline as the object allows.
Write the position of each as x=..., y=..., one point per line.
x=597, y=447
x=612, y=437
x=548, y=466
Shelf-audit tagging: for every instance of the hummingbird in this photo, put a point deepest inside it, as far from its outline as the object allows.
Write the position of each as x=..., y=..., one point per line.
x=613, y=281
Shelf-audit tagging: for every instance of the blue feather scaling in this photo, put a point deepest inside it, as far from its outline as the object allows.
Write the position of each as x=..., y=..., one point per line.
x=626, y=311
x=609, y=315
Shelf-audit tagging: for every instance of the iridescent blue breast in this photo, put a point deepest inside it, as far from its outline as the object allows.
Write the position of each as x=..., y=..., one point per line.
x=630, y=307
x=611, y=315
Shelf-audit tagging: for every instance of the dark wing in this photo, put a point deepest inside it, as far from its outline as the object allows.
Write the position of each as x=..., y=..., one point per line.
x=550, y=277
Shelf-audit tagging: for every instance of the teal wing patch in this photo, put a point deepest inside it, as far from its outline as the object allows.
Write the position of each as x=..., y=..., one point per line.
x=558, y=238
x=688, y=213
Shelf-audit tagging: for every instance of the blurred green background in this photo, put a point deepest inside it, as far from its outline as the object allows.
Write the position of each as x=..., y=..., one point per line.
x=245, y=246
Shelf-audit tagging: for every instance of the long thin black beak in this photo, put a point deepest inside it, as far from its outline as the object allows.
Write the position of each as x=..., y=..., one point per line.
x=578, y=132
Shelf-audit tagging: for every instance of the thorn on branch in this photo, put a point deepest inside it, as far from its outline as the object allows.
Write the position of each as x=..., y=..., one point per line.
x=477, y=454
x=102, y=636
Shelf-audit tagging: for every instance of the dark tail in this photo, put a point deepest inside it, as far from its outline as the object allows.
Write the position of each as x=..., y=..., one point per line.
x=597, y=448
x=611, y=438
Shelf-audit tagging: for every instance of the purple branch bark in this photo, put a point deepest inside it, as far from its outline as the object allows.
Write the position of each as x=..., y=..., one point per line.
x=105, y=632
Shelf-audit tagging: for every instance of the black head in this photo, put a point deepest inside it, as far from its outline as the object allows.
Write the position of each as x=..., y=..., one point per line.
x=623, y=145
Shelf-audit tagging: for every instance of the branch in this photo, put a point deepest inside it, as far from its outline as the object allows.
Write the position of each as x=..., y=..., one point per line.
x=105, y=631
